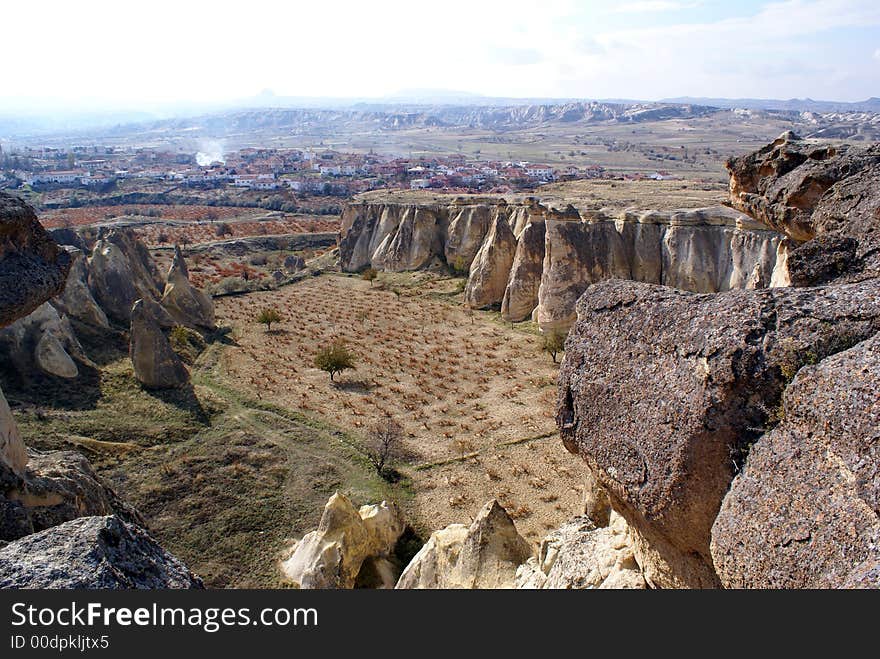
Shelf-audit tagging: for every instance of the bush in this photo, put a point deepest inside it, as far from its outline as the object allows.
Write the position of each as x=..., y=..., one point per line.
x=369, y=275
x=269, y=316
x=554, y=343
x=223, y=229
x=384, y=447
x=334, y=359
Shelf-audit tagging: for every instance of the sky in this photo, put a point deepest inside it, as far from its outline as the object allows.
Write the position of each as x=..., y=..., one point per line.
x=112, y=54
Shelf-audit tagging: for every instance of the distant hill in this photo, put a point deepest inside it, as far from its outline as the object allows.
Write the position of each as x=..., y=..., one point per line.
x=791, y=105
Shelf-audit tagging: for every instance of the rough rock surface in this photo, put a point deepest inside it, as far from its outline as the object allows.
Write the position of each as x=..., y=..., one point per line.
x=77, y=301
x=56, y=487
x=805, y=512
x=484, y=555
x=294, y=263
x=43, y=340
x=521, y=292
x=702, y=250
x=92, y=553
x=122, y=272
x=490, y=269
x=156, y=365
x=332, y=556
x=13, y=453
x=809, y=189
x=579, y=555
x=186, y=304
x=662, y=391
x=33, y=268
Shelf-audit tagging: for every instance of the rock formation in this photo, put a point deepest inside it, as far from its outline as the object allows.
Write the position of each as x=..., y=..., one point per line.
x=92, y=553
x=484, y=555
x=808, y=191
x=805, y=511
x=579, y=555
x=122, y=272
x=43, y=340
x=536, y=262
x=736, y=432
x=77, y=301
x=186, y=304
x=346, y=539
x=48, y=535
x=490, y=269
x=33, y=268
x=156, y=365
x=56, y=487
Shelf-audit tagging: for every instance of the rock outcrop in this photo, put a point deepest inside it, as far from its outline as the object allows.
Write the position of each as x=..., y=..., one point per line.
x=43, y=340
x=33, y=268
x=737, y=432
x=805, y=512
x=92, y=553
x=490, y=269
x=536, y=262
x=77, y=301
x=346, y=539
x=186, y=304
x=810, y=190
x=484, y=555
x=122, y=272
x=578, y=555
x=55, y=488
x=156, y=365
x=13, y=453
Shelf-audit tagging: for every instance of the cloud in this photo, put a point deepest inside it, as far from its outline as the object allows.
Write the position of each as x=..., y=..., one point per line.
x=516, y=56
x=647, y=6
x=877, y=54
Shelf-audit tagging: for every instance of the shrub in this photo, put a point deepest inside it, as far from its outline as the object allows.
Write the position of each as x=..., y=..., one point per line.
x=334, y=359
x=223, y=229
x=268, y=316
x=369, y=275
x=554, y=343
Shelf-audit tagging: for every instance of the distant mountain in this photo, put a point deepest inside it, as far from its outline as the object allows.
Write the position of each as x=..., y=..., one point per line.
x=791, y=105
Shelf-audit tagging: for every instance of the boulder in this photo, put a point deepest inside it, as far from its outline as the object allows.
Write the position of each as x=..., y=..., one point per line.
x=490, y=269
x=294, y=263
x=662, y=392
x=33, y=268
x=156, y=365
x=484, y=555
x=346, y=538
x=122, y=272
x=807, y=189
x=92, y=553
x=805, y=511
x=186, y=304
x=54, y=488
x=579, y=555
x=77, y=301
x=43, y=340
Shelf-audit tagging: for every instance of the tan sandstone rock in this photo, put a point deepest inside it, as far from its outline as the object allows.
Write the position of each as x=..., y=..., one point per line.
x=490, y=269
x=77, y=300
x=186, y=304
x=579, y=555
x=484, y=555
x=121, y=272
x=334, y=554
x=12, y=450
x=156, y=365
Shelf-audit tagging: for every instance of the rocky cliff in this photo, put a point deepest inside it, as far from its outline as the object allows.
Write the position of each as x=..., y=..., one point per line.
x=536, y=262
x=737, y=432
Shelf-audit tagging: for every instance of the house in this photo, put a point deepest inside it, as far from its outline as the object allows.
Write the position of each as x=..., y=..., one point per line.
x=419, y=184
x=542, y=172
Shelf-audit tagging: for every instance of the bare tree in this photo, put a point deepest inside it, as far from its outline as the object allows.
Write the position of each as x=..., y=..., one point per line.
x=385, y=445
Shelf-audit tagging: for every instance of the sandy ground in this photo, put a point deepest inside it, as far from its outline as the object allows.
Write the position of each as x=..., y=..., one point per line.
x=475, y=396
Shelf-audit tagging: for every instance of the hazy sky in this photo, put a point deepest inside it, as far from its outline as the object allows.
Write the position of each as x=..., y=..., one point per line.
x=115, y=53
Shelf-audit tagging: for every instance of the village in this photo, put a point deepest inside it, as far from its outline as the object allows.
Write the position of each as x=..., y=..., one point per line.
x=301, y=171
